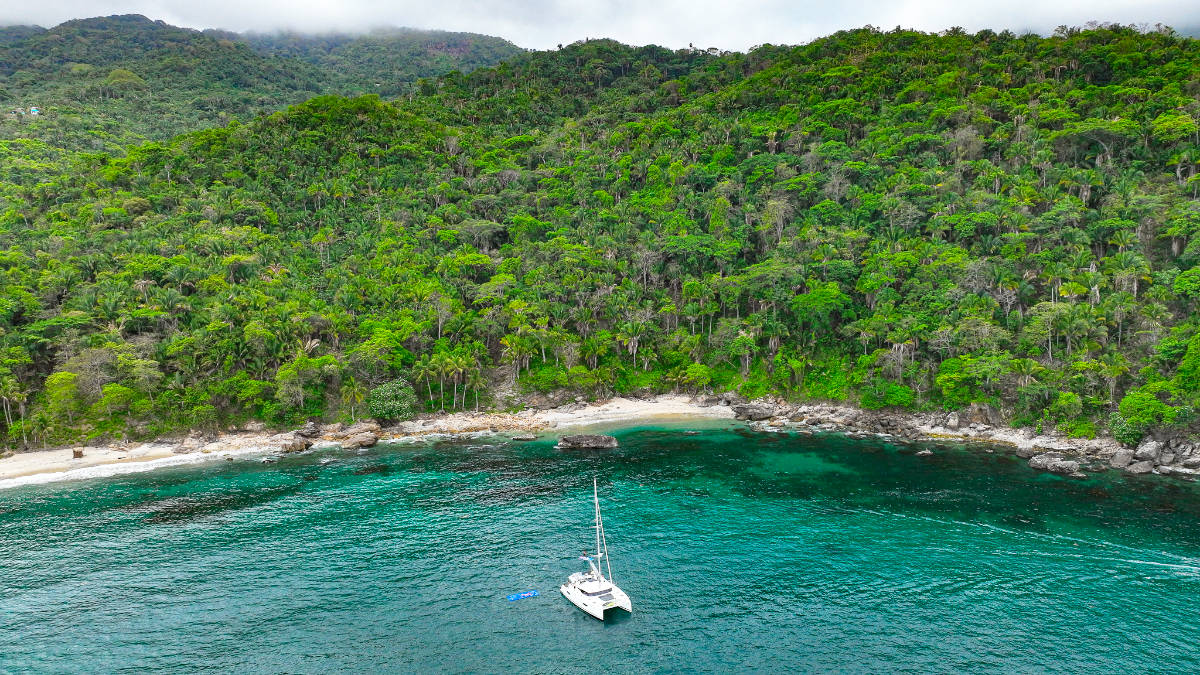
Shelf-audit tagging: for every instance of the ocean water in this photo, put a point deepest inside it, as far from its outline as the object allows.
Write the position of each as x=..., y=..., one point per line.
x=742, y=551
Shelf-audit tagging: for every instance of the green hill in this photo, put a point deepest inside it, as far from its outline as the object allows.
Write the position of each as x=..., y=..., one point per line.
x=106, y=82
x=384, y=61
x=898, y=219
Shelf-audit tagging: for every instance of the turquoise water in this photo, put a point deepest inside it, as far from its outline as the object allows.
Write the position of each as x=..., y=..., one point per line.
x=742, y=551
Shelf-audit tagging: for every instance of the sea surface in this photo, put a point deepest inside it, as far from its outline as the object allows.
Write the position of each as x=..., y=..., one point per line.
x=743, y=551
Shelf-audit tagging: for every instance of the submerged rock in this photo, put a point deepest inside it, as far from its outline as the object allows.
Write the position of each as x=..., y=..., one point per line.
x=525, y=437
x=925, y=453
x=587, y=442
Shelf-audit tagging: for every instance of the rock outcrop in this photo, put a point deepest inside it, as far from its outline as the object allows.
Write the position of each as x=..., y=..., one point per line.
x=359, y=435
x=310, y=429
x=192, y=443
x=754, y=412
x=1122, y=459
x=290, y=442
x=1148, y=449
x=587, y=442
x=1145, y=466
x=1055, y=463
x=365, y=439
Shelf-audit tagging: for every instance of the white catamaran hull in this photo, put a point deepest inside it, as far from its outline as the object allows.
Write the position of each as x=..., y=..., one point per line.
x=595, y=605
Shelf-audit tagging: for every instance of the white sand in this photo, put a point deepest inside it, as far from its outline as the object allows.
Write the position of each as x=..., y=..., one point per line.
x=53, y=465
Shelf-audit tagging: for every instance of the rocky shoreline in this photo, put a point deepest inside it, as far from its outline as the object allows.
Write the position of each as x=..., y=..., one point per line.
x=976, y=424
x=979, y=423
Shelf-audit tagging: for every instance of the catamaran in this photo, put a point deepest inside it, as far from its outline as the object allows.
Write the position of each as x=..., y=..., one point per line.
x=591, y=591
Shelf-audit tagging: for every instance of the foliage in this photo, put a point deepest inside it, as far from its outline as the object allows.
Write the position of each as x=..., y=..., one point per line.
x=394, y=401
x=898, y=218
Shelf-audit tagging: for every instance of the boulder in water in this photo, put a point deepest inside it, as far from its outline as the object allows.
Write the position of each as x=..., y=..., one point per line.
x=587, y=442
x=1054, y=463
x=1148, y=449
x=1145, y=466
x=525, y=437
x=753, y=411
x=291, y=442
x=1122, y=459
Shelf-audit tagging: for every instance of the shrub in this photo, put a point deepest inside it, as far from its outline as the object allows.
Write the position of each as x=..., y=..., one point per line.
x=885, y=394
x=394, y=401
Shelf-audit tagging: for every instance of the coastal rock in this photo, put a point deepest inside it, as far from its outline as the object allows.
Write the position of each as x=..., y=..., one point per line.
x=1192, y=462
x=254, y=426
x=1148, y=449
x=366, y=427
x=290, y=442
x=1122, y=459
x=192, y=443
x=753, y=411
x=732, y=398
x=549, y=400
x=76, y=453
x=1025, y=452
x=363, y=439
x=587, y=442
x=310, y=429
x=1166, y=458
x=335, y=428
x=1054, y=462
x=525, y=437
x=953, y=422
x=1050, y=445
x=1140, y=467
x=981, y=413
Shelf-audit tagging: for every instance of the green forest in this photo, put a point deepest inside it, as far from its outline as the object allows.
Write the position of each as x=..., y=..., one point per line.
x=892, y=219
x=108, y=82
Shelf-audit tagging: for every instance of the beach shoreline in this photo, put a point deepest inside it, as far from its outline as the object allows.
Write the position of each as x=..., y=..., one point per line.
x=43, y=466
x=1043, y=451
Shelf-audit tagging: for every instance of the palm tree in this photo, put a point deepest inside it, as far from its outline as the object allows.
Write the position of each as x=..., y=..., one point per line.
x=476, y=381
x=442, y=366
x=353, y=394
x=1025, y=370
x=1113, y=366
x=460, y=364
x=423, y=370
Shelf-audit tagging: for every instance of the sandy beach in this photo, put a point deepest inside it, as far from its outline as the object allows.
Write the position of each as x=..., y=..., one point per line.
x=1040, y=449
x=97, y=461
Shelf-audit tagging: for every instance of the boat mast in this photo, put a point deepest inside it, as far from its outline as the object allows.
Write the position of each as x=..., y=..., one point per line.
x=601, y=540
x=596, y=500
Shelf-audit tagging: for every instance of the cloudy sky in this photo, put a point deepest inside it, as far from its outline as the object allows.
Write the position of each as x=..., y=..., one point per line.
x=673, y=23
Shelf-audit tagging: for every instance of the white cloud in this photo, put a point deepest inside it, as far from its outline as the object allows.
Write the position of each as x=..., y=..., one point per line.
x=674, y=23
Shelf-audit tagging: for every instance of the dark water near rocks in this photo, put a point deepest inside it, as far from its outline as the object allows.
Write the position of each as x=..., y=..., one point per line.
x=742, y=551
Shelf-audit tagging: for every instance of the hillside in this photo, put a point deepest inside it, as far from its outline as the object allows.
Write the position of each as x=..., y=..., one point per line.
x=895, y=219
x=384, y=61
x=106, y=82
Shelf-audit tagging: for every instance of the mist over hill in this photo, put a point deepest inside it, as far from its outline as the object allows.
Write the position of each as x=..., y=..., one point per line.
x=105, y=82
